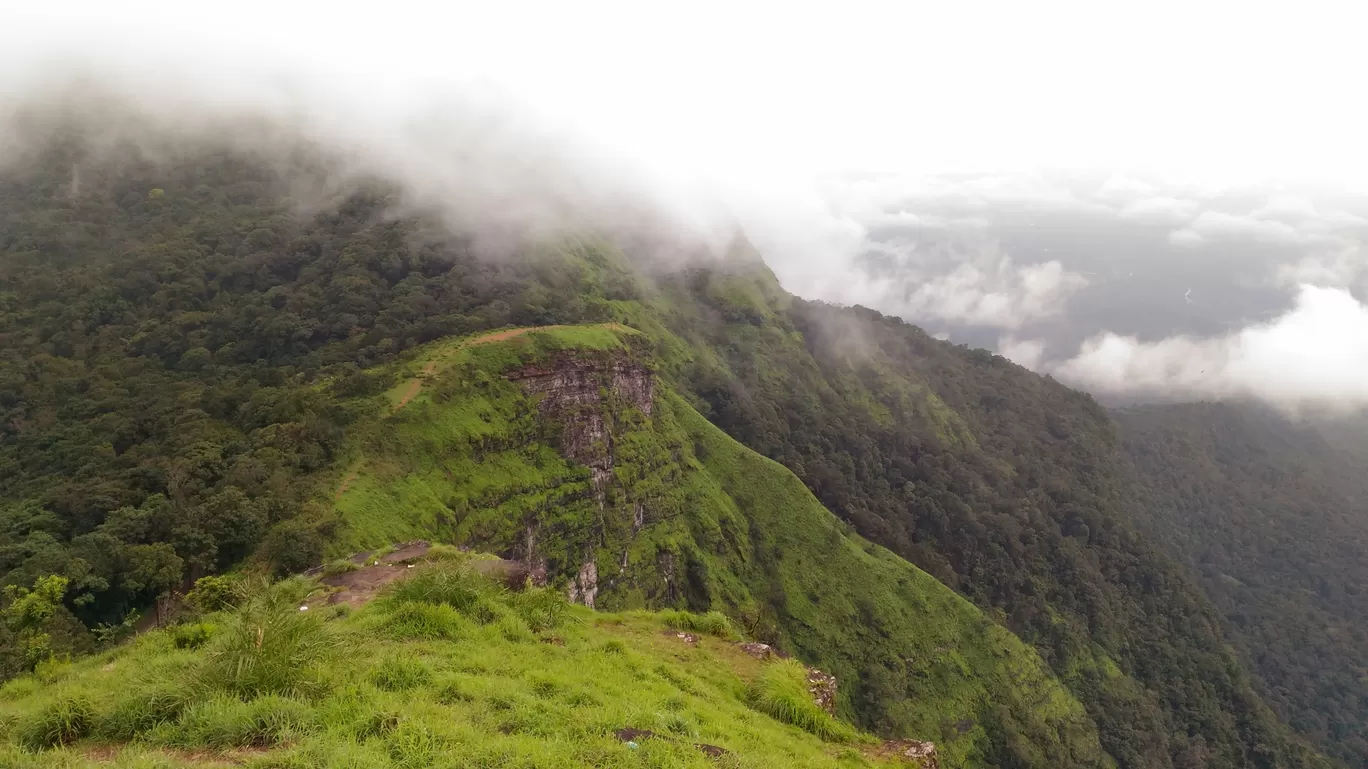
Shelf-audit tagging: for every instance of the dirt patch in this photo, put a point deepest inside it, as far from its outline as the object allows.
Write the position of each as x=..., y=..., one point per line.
x=711, y=751
x=355, y=588
x=102, y=754
x=633, y=736
x=358, y=587
x=415, y=385
x=629, y=734
x=407, y=552
x=514, y=574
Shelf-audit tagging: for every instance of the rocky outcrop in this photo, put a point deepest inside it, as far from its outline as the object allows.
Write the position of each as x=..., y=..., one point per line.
x=823, y=688
x=584, y=588
x=914, y=752
x=585, y=396
x=574, y=391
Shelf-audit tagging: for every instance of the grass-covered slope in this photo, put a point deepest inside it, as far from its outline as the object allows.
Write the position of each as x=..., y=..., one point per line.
x=693, y=519
x=445, y=670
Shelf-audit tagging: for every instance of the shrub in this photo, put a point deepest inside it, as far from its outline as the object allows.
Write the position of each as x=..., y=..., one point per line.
x=211, y=594
x=191, y=636
x=781, y=692
x=269, y=646
x=293, y=546
x=714, y=623
x=67, y=718
x=399, y=674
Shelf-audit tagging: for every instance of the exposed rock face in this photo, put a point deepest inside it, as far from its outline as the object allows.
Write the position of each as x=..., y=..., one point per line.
x=584, y=588
x=585, y=396
x=573, y=391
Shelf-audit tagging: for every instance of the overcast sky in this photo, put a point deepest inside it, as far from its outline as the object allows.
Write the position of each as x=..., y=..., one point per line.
x=1138, y=198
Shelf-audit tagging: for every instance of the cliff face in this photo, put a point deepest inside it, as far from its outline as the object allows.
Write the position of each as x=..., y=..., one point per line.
x=587, y=397
x=582, y=395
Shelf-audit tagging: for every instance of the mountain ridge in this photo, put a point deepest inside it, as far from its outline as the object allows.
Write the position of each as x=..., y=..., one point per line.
x=186, y=375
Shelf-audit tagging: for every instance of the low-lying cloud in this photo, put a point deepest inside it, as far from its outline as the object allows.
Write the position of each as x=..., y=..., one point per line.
x=1131, y=288
x=1316, y=354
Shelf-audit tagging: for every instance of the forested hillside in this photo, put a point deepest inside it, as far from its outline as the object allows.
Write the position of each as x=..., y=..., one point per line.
x=1273, y=515
x=180, y=343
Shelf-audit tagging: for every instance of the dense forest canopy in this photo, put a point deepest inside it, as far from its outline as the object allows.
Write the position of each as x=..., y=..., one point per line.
x=173, y=333
x=1271, y=515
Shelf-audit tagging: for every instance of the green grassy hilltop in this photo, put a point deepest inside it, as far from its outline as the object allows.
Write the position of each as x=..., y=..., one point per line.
x=447, y=669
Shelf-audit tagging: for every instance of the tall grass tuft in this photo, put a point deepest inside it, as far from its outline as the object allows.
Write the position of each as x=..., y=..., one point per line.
x=227, y=722
x=781, y=692
x=191, y=635
x=142, y=710
x=452, y=584
x=542, y=608
x=66, y=718
x=413, y=621
x=400, y=674
x=714, y=623
x=269, y=646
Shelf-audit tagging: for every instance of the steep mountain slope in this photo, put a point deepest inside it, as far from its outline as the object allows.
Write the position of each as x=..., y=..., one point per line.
x=559, y=447
x=1004, y=485
x=189, y=371
x=1274, y=519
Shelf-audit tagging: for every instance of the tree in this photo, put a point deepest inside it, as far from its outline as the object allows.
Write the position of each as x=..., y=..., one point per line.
x=26, y=614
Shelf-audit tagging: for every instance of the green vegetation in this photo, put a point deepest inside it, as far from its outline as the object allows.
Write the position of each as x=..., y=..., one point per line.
x=270, y=645
x=781, y=692
x=555, y=698
x=690, y=518
x=1268, y=514
x=205, y=378
x=714, y=623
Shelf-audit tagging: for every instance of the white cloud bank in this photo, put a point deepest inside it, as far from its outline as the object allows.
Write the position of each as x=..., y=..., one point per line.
x=1314, y=355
